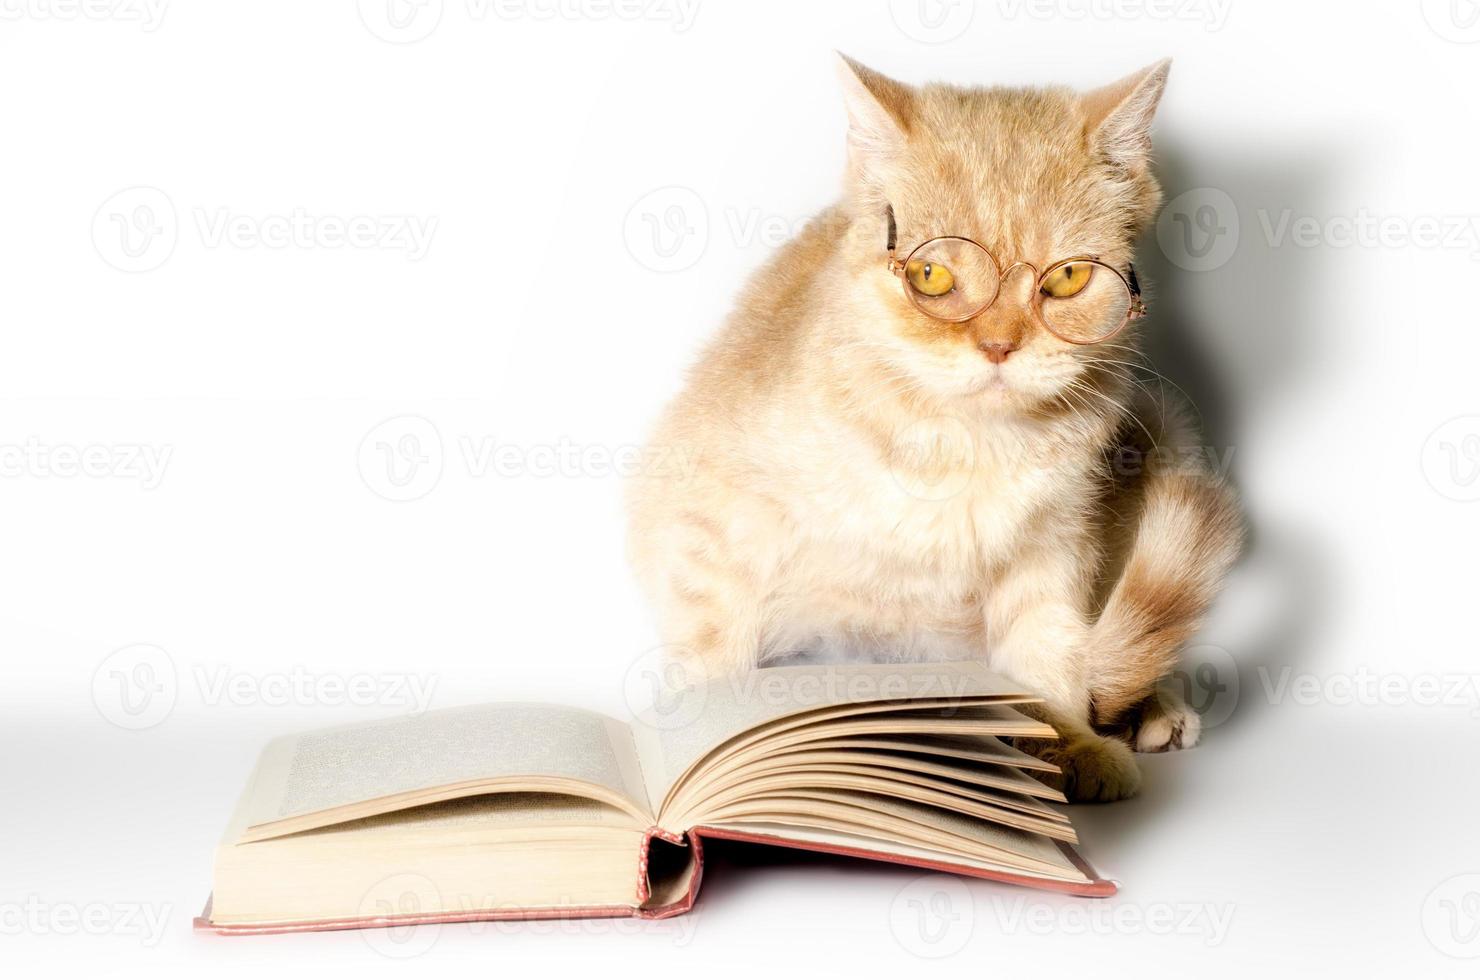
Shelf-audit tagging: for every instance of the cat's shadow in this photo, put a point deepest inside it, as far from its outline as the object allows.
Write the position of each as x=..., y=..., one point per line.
x=1240, y=331
x=1236, y=315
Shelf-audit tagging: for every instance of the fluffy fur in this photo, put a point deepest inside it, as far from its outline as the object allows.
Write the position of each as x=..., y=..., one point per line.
x=864, y=478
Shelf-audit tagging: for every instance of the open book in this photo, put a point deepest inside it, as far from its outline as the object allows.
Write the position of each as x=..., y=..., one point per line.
x=526, y=810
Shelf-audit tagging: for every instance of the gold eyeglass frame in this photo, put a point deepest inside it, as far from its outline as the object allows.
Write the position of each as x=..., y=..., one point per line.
x=1134, y=311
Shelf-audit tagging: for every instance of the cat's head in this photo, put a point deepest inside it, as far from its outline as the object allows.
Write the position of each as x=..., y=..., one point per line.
x=1032, y=175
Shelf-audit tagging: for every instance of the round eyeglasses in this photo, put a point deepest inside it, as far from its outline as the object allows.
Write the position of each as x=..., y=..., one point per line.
x=1080, y=300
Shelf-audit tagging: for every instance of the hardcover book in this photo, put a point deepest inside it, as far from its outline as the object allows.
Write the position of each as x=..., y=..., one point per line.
x=537, y=810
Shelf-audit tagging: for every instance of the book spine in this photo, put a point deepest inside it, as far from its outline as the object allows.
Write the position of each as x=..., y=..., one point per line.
x=644, y=883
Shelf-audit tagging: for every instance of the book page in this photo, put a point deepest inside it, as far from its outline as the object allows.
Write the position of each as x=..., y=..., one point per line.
x=891, y=822
x=501, y=815
x=418, y=757
x=973, y=748
x=857, y=839
x=700, y=718
x=491, y=852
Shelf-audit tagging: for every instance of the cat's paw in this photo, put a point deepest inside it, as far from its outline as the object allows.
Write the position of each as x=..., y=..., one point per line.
x=1167, y=722
x=1095, y=769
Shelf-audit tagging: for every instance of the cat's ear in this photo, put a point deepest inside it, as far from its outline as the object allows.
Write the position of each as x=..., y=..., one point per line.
x=878, y=112
x=1118, y=116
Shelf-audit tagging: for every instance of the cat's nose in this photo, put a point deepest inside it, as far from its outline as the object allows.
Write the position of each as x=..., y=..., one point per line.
x=997, y=352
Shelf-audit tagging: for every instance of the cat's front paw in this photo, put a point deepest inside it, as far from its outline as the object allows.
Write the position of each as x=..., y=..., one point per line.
x=1166, y=722
x=1095, y=769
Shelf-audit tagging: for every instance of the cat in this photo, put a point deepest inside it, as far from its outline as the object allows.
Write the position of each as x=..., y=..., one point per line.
x=868, y=477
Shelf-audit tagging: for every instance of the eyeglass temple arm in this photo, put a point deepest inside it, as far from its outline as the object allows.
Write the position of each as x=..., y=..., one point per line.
x=1138, y=305
x=894, y=264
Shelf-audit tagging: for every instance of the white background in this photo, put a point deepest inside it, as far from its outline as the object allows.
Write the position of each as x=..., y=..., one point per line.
x=1316, y=296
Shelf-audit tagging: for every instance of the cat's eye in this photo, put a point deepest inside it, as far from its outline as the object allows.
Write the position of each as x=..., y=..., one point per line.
x=1084, y=301
x=929, y=278
x=1067, y=280
x=950, y=278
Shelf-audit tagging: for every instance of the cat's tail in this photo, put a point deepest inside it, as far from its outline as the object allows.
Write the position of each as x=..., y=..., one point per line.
x=1189, y=533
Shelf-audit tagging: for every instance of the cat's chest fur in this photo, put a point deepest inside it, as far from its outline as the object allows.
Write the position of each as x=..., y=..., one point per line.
x=901, y=544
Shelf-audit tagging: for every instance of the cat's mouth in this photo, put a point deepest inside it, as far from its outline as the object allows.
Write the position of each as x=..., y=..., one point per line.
x=992, y=383
x=996, y=380
x=1016, y=390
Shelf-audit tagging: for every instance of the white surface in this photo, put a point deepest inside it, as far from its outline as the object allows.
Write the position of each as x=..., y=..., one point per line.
x=1321, y=828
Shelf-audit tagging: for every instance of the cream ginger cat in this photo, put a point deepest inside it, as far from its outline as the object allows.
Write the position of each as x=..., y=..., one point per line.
x=945, y=453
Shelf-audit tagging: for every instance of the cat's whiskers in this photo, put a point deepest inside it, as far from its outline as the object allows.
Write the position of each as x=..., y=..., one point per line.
x=1145, y=365
x=1110, y=365
x=1123, y=410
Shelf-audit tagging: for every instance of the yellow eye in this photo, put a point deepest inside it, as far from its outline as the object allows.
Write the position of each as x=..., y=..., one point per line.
x=1067, y=280
x=929, y=278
